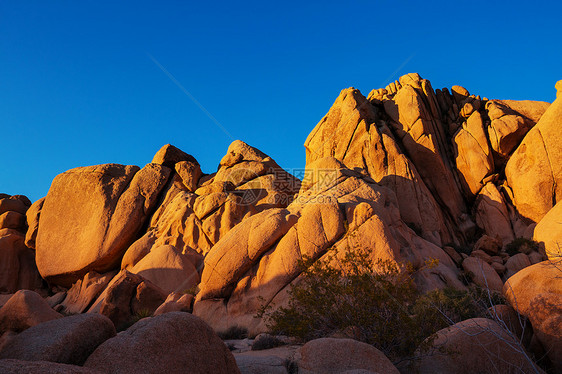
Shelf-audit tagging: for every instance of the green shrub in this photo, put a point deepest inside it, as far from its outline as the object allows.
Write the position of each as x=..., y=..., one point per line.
x=521, y=245
x=266, y=341
x=375, y=302
x=233, y=332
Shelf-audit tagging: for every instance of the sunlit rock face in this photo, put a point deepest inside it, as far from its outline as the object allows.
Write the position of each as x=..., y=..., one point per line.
x=91, y=215
x=408, y=173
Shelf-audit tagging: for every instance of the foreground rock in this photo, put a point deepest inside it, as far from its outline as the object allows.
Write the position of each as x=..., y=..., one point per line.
x=172, y=343
x=95, y=211
x=42, y=367
x=68, y=340
x=477, y=345
x=536, y=293
x=24, y=310
x=334, y=356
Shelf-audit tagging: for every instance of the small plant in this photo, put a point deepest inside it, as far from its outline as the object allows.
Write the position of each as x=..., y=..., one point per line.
x=266, y=341
x=233, y=332
x=521, y=245
x=192, y=290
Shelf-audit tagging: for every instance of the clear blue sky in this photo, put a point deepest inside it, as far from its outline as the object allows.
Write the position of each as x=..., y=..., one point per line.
x=78, y=86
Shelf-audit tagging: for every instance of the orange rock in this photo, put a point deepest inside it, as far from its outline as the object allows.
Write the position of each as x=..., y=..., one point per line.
x=175, y=303
x=97, y=212
x=17, y=263
x=168, y=268
x=12, y=204
x=171, y=343
x=510, y=121
x=536, y=292
x=533, y=172
x=12, y=220
x=85, y=291
x=126, y=296
x=492, y=215
x=169, y=155
x=473, y=155
x=32, y=216
x=23, y=310
x=516, y=263
x=548, y=232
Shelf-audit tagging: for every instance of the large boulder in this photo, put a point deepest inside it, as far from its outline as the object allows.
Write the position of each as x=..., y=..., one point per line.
x=32, y=217
x=172, y=343
x=477, y=345
x=334, y=356
x=548, y=233
x=533, y=171
x=24, y=310
x=68, y=340
x=536, y=293
x=96, y=212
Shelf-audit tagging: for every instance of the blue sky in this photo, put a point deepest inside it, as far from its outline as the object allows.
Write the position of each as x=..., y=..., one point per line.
x=78, y=85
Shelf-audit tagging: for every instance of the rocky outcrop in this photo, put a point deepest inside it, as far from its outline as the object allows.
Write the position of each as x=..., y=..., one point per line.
x=325, y=356
x=96, y=211
x=68, y=340
x=534, y=170
x=256, y=262
x=536, y=293
x=171, y=343
x=364, y=141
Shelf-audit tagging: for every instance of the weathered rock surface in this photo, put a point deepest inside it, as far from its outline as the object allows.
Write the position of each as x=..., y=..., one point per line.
x=492, y=215
x=548, y=233
x=510, y=121
x=483, y=274
x=255, y=263
x=32, y=217
x=332, y=356
x=17, y=263
x=172, y=343
x=85, y=291
x=534, y=171
x=496, y=350
x=127, y=296
x=536, y=292
x=42, y=367
x=176, y=302
x=364, y=141
x=168, y=268
x=95, y=211
x=24, y=310
x=68, y=340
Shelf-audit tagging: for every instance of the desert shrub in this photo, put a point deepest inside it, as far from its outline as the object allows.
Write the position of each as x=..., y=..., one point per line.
x=266, y=341
x=374, y=302
x=521, y=245
x=233, y=332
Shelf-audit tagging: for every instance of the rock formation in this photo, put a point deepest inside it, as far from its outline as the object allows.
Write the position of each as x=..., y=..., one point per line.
x=408, y=173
